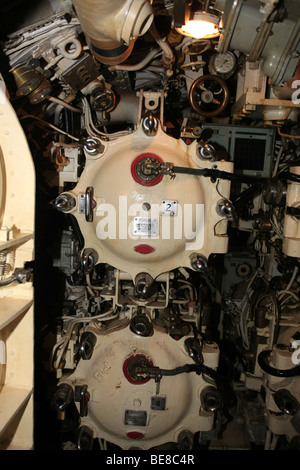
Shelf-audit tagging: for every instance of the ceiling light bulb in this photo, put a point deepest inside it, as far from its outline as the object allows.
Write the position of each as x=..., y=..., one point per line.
x=203, y=25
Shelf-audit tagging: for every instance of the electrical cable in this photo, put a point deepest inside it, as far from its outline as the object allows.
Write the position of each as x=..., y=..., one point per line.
x=212, y=173
x=9, y=281
x=198, y=368
x=247, y=193
x=60, y=348
x=31, y=116
x=218, y=174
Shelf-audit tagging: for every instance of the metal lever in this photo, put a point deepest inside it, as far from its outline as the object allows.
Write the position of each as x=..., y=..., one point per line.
x=150, y=125
x=159, y=168
x=91, y=145
x=89, y=204
x=64, y=202
x=20, y=275
x=87, y=344
x=193, y=349
x=88, y=259
x=82, y=396
x=206, y=150
x=226, y=209
x=148, y=372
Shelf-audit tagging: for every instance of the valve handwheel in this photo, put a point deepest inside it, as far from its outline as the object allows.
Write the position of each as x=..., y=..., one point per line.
x=209, y=95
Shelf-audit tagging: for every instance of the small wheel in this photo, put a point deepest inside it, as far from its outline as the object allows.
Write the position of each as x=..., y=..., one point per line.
x=209, y=95
x=196, y=46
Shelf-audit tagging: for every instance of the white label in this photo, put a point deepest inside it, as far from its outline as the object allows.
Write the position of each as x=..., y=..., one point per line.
x=2, y=92
x=2, y=352
x=169, y=207
x=145, y=226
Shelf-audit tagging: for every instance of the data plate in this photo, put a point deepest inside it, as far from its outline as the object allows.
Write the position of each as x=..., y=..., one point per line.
x=145, y=226
x=135, y=418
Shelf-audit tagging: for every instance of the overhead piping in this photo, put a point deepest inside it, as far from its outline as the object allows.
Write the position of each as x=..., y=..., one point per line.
x=111, y=27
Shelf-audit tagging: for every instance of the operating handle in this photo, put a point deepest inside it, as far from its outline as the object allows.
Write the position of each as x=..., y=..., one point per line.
x=167, y=168
x=89, y=258
x=89, y=204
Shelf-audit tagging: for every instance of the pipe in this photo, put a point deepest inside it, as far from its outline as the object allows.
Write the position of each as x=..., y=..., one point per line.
x=64, y=104
x=261, y=359
x=127, y=110
x=139, y=66
x=111, y=27
x=163, y=43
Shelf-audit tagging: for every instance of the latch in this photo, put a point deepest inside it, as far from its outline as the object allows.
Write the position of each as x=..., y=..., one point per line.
x=82, y=396
x=87, y=204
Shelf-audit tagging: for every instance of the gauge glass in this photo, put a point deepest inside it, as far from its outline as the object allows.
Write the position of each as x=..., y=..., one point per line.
x=224, y=64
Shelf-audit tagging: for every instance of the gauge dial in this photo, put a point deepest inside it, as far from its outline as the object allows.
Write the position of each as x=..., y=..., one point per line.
x=223, y=64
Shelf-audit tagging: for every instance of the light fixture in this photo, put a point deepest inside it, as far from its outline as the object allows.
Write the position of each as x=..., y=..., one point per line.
x=202, y=25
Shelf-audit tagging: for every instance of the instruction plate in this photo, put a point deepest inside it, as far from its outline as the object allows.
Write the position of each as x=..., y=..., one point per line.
x=135, y=418
x=145, y=226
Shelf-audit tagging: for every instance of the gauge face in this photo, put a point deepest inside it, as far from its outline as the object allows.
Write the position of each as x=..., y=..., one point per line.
x=223, y=64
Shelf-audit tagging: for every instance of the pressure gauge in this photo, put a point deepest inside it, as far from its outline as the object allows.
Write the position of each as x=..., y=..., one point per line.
x=223, y=64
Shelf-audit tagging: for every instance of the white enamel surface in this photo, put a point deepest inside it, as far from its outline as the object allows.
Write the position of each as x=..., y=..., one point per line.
x=119, y=198
x=111, y=394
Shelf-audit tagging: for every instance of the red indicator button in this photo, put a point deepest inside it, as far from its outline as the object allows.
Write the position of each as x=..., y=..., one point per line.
x=144, y=249
x=135, y=435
